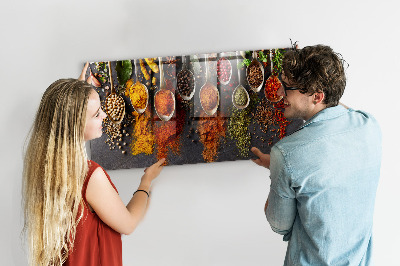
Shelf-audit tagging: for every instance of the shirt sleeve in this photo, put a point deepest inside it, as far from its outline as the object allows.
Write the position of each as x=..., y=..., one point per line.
x=281, y=210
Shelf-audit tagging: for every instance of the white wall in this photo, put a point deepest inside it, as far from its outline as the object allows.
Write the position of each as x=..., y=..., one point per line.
x=206, y=214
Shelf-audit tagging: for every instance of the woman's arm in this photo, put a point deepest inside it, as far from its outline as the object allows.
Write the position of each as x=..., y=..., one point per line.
x=108, y=205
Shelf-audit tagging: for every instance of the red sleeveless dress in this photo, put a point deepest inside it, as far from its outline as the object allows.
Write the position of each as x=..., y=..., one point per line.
x=95, y=242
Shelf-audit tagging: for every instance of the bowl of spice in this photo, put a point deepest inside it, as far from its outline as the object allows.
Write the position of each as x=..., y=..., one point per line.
x=185, y=82
x=224, y=70
x=164, y=104
x=272, y=84
x=255, y=74
x=209, y=98
x=114, y=104
x=138, y=94
x=209, y=94
x=115, y=108
x=240, y=97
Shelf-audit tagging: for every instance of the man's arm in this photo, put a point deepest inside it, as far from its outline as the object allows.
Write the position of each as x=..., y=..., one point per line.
x=280, y=208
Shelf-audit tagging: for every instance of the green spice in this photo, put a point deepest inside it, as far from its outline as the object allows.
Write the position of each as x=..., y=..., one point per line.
x=124, y=71
x=277, y=59
x=238, y=127
x=240, y=96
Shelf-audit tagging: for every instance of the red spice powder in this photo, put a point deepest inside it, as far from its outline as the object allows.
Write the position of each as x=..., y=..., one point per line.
x=168, y=134
x=164, y=102
x=211, y=130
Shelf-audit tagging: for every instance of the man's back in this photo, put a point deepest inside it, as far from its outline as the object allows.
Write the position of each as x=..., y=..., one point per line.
x=330, y=172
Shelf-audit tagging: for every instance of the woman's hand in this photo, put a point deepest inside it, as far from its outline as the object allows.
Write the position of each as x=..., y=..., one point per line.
x=152, y=172
x=83, y=74
x=264, y=159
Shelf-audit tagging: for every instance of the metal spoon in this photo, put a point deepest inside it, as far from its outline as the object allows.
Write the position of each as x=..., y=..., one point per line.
x=230, y=72
x=114, y=98
x=239, y=86
x=185, y=68
x=140, y=110
x=209, y=84
x=268, y=80
x=162, y=88
x=255, y=62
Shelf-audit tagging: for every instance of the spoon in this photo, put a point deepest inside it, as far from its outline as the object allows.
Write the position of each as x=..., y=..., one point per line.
x=258, y=64
x=140, y=110
x=210, y=86
x=240, y=87
x=115, y=105
x=223, y=59
x=191, y=76
x=270, y=79
x=162, y=89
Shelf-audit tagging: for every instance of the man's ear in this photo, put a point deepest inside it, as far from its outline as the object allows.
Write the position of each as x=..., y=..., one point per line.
x=318, y=97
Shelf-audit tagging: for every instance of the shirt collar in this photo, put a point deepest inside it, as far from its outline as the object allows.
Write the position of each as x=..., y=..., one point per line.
x=326, y=114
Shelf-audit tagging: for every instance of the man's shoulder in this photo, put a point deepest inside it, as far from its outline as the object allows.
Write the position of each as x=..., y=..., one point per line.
x=317, y=131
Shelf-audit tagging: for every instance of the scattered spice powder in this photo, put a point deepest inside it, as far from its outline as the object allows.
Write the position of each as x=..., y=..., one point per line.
x=142, y=135
x=137, y=93
x=272, y=85
x=209, y=97
x=265, y=115
x=238, y=127
x=211, y=130
x=168, y=133
x=270, y=117
x=164, y=102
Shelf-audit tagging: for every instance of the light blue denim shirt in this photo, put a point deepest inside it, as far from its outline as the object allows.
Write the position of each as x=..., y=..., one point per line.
x=323, y=183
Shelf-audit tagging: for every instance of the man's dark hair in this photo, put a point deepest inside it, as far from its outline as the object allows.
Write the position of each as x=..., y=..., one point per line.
x=316, y=69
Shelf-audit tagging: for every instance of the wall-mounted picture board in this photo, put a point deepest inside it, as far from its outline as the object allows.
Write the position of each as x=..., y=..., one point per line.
x=198, y=108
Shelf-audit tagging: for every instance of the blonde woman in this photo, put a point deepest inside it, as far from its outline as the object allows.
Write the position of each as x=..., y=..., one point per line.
x=73, y=213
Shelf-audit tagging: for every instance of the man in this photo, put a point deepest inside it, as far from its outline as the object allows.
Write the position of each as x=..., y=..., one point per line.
x=323, y=176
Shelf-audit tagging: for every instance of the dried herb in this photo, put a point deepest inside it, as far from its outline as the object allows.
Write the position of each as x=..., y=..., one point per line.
x=240, y=96
x=124, y=71
x=277, y=59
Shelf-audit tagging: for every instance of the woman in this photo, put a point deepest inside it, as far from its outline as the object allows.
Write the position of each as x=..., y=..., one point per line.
x=73, y=213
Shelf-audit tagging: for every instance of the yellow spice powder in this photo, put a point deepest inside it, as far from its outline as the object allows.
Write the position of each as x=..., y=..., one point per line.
x=137, y=93
x=143, y=137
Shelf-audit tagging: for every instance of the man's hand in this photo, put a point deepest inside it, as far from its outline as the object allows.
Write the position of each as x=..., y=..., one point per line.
x=264, y=159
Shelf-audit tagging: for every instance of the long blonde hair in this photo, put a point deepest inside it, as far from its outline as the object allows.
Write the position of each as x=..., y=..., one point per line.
x=55, y=167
